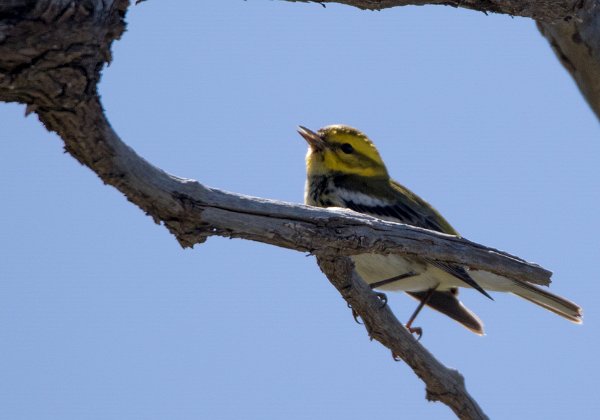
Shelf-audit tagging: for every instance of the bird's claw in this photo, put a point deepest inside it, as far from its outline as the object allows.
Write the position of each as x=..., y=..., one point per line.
x=355, y=315
x=415, y=330
x=383, y=298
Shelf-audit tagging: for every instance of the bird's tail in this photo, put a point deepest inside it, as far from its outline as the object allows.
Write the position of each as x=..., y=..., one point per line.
x=547, y=300
x=528, y=291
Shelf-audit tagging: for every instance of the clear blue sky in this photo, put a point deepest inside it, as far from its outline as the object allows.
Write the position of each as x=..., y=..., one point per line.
x=104, y=316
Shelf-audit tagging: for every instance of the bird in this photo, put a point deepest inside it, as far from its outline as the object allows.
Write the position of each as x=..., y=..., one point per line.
x=344, y=169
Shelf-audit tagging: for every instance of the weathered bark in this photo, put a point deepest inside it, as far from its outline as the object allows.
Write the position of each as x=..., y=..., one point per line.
x=51, y=54
x=576, y=43
x=544, y=10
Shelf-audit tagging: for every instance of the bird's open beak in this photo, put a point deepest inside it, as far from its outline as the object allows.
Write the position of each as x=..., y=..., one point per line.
x=313, y=139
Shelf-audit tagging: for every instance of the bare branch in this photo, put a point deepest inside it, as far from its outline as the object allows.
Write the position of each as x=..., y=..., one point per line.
x=60, y=87
x=543, y=10
x=193, y=212
x=442, y=384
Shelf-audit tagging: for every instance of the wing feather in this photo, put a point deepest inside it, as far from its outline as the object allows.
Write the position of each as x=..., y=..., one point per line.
x=409, y=208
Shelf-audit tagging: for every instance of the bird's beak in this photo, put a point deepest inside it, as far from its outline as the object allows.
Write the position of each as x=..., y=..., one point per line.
x=313, y=139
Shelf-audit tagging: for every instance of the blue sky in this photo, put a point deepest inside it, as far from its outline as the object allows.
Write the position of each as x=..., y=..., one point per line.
x=104, y=316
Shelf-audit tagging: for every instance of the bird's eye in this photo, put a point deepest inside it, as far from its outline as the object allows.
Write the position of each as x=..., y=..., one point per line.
x=347, y=148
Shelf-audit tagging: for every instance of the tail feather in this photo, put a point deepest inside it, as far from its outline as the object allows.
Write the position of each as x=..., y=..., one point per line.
x=547, y=300
x=528, y=291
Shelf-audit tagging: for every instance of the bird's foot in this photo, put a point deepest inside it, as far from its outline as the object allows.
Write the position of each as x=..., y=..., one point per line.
x=383, y=298
x=415, y=330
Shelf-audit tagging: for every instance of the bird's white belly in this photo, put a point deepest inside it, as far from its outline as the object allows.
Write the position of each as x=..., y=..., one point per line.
x=374, y=268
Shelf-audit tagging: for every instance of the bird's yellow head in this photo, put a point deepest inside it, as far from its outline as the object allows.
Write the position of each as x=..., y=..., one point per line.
x=343, y=150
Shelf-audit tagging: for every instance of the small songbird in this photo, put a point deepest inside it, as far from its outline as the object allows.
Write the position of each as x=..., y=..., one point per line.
x=344, y=169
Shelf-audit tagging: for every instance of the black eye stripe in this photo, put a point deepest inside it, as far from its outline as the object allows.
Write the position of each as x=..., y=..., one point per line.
x=347, y=148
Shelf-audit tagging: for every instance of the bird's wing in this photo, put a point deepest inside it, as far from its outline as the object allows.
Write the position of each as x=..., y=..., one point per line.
x=409, y=208
x=448, y=304
x=459, y=272
x=389, y=200
x=422, y=214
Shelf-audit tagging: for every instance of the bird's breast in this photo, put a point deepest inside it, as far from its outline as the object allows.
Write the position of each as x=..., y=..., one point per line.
x=320, y=191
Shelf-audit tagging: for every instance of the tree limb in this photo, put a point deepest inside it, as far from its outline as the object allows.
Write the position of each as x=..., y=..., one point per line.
x=56, y=73
x=576, y=43
x=442, y=384
x=543, y=10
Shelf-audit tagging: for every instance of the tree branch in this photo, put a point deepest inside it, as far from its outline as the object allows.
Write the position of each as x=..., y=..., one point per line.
x=543, y=10
x=442, y=384
x=576, y=43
